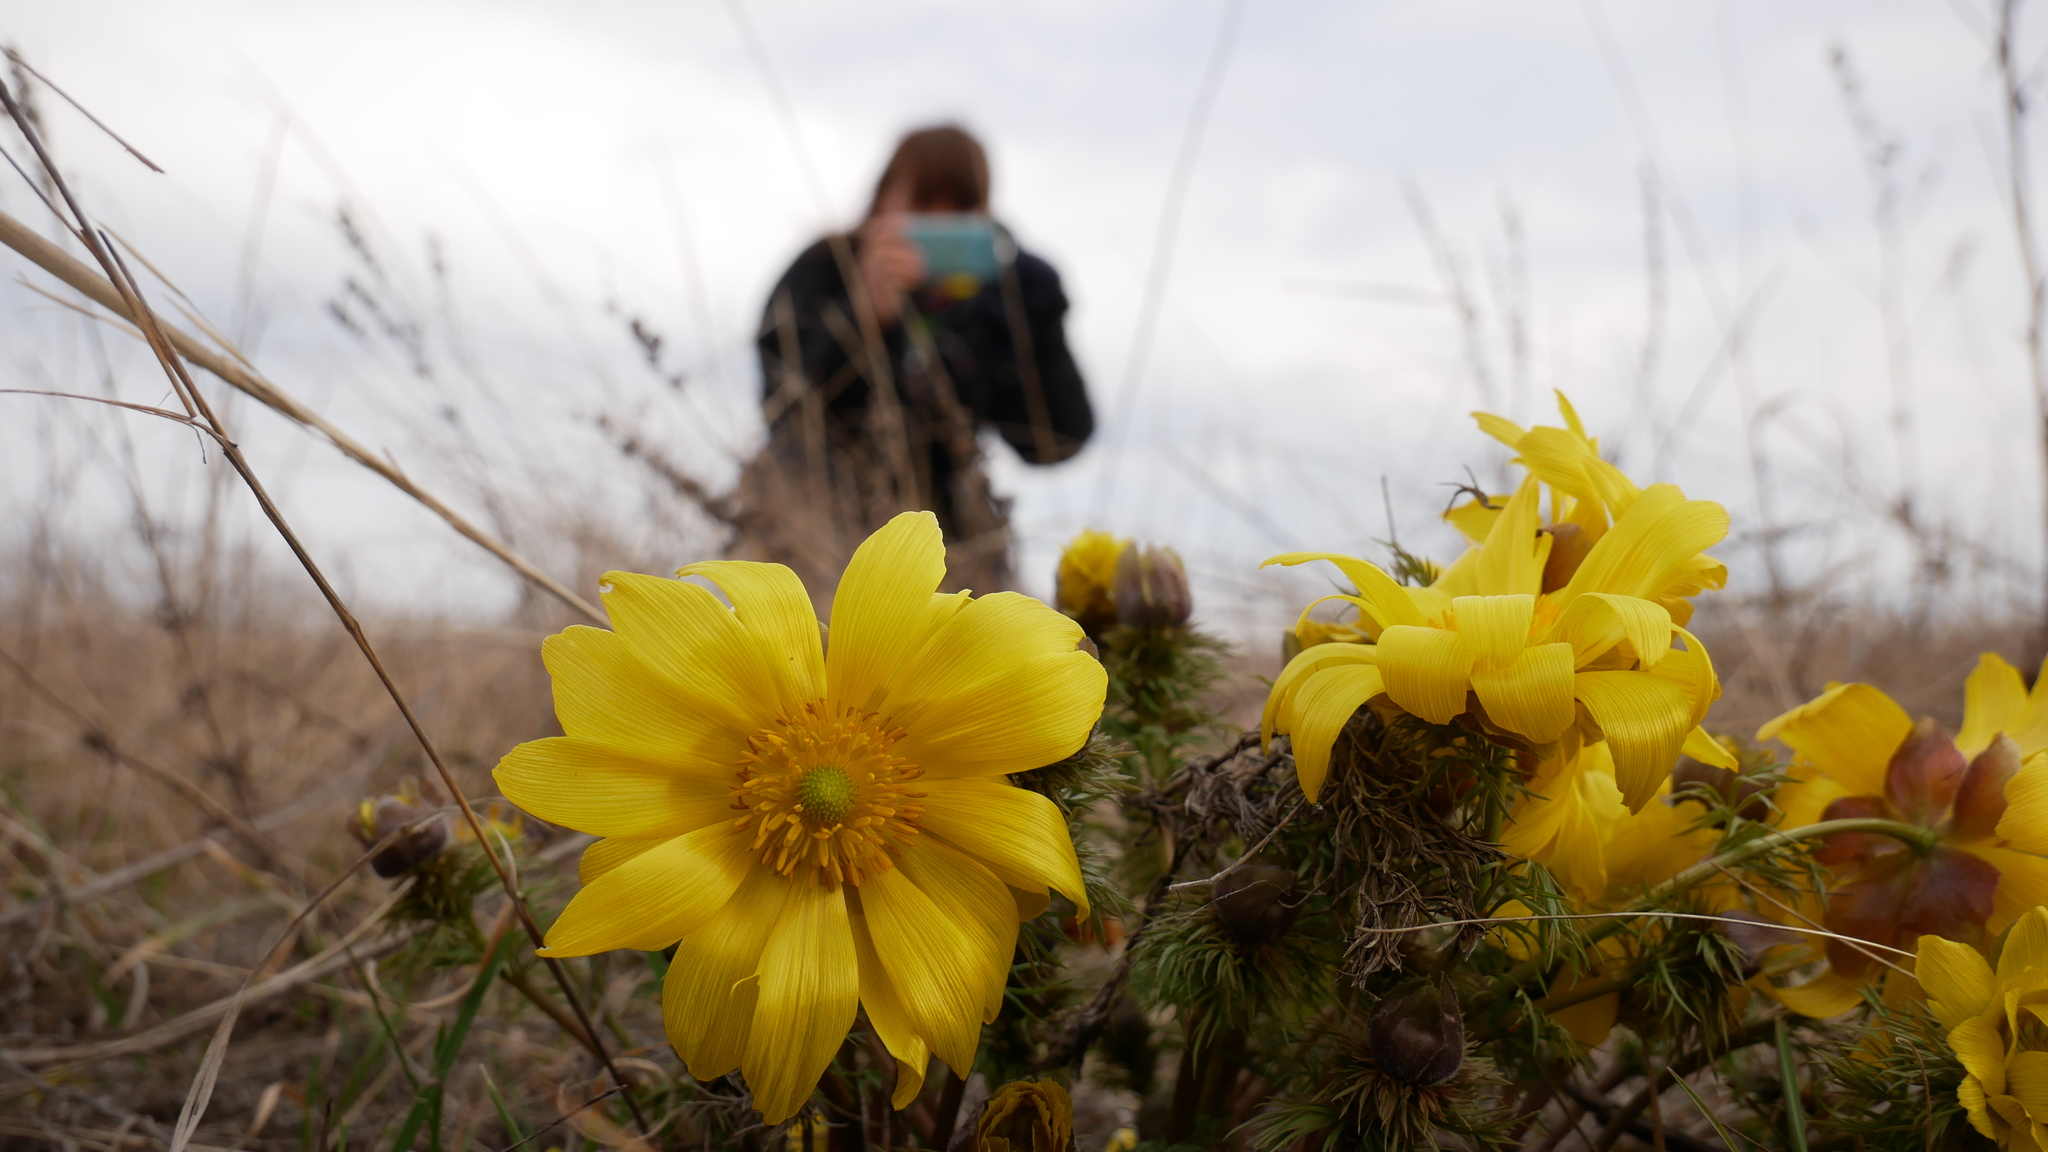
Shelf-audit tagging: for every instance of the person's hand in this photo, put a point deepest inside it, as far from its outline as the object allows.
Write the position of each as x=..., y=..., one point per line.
x=890, y=266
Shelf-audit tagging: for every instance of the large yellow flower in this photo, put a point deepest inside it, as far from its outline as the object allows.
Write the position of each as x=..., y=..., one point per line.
x=1982, y=798
x=879, y=859
x=1995, y=1020
x=1553, y=654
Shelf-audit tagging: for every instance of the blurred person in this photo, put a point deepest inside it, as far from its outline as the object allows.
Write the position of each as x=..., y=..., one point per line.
x=875, y=397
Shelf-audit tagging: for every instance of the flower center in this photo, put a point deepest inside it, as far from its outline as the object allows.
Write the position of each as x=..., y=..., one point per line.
x=822, y=798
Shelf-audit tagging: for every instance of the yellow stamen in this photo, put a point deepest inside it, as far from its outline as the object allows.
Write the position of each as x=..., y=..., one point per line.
x=822, y=797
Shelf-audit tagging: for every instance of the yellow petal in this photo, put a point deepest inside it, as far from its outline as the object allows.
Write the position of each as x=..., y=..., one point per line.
x=1426, y=671
x=1693, y=671
x=656, y=898
x=937, y=966
x=1958, y=981
x=606, y=696
x=698, y=647
x=608, y=854
x=1511, y=560
x=1649, y=545
x=885, y=1013
x=1386, y=601
x=1499, y=427
x=707, y=1001
x=1597, y=621
x=1014, y=832
x=1644, y=720
x=2026, y=1080
x=1704, y=748
x=1279, y=714
x=975, y=900
x=1589, y=1023
x=1322, y=707
x=1564, y=824
x=593, y=789
x=998, y=688
x=1849, y=732
x=809, y=991
x=1994, y=699
x=1970, y=1094
x=1533, y=695
x=1821, y=997
x=882, y=611
x=1474, y=518
x=1976, y=1043
x=773, y=607
x=2026, y=946
x=1494, y=629
x=2025, y=822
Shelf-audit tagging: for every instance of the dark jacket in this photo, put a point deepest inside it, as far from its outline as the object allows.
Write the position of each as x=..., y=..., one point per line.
x=1037, y=402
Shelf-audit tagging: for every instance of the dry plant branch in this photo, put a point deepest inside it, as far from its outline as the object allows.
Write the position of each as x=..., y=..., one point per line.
x=133, y=304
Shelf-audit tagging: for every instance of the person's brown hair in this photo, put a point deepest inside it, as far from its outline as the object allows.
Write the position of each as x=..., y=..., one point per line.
x=943, y=166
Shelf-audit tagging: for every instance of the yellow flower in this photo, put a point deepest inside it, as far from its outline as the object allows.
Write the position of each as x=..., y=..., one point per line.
x=1026, y=1116
x=1540, y=654
x=880, y=859
x=1857, y=753
x=1573, y=821
x=1994, y=1021
x=1086, y=585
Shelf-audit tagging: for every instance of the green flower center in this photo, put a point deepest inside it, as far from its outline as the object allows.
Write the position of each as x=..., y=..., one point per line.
x=825, y=794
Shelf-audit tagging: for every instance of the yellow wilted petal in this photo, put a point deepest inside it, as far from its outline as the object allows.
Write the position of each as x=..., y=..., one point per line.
x=606, y=696
x=1975, y=1042
x=1499, y=427
x=892, y=1025
x=998, y=688
x=656, y=898
x=1649, y=545
x=931, y=962
x=1849, y=732
x=773, y=607
x=1994, y=698
x=593, y=789
x=1532, y=696
x=809, y=991
x=1015, y=832
x=1821, y=997
x=1704, y=748
x=1970, y=1094
x=1427, y=671
x=707, y=999
x=1693, y=671
x=687, y=638
x=1644, y=720
x=1322, y=706
x=1958, y=980
x=1474, y=518
x=2026, y=1080
x=2025, y=822
x=609, y=853
x=1563, y=822
x=1278, y=714
x=1494, y=628
x=883, y=610
x=1386, y=601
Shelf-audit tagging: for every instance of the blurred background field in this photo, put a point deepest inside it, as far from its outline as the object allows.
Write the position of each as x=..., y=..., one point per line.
x=1770, y=252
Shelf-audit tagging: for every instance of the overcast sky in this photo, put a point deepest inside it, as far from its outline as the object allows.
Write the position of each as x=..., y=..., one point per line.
x=526, y=177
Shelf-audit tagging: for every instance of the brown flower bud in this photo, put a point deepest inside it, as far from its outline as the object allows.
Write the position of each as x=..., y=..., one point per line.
x=1253, y=903
x=1026, y=1116
x=1568, y=548
x=379, y=818
x=1429, y=950
x=1151, y=588
x=1419, y=1036
x=1745, y=795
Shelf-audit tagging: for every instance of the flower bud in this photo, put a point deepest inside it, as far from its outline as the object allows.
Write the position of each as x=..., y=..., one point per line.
x=1419, y=1036
x=1026, y=1116
x=1253, y=903
x=378, y=818
x=1085, y=588
x=1151, y=588
x=1429, y=950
